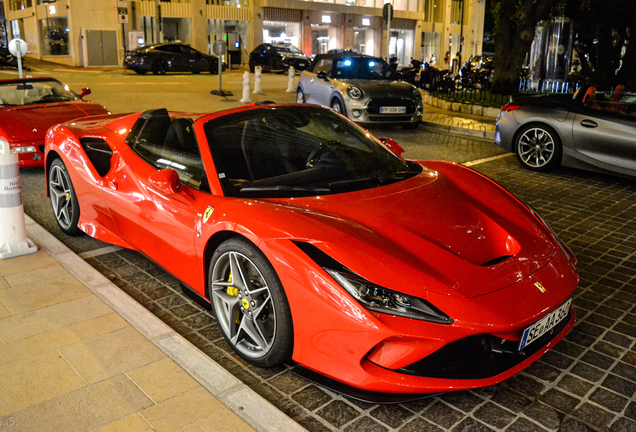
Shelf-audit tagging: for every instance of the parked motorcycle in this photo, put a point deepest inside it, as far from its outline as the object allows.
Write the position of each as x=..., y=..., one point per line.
x=6, y=58
x=411, y=74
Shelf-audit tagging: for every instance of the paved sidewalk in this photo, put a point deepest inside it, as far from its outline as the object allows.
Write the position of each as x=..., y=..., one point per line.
x=78, y=354
x=448, y=121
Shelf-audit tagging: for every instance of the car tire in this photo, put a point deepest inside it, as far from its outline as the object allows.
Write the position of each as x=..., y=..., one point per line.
x=252, y=66
x=338, y=106
x=300, y=96
x=140, y=71
x=159, y=67
x=250, y=304
x=413, y=125
x=63, y=198
x=538, y=147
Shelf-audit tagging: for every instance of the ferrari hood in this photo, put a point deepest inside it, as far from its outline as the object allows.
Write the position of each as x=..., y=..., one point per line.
x=31, y=122
x=428, y=230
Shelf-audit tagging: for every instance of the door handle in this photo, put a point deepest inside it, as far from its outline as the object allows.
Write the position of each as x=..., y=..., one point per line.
x=588, y=123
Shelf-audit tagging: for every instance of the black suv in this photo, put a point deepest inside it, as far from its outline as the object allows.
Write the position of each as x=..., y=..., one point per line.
x=170, y=57
x=278, y=57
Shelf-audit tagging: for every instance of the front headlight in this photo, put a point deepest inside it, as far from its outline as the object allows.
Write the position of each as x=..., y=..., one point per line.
x=383, y=300
x=355, y=93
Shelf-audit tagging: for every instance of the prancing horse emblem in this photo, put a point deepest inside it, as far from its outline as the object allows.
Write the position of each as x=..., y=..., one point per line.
x=541, y=287
x=208, y=212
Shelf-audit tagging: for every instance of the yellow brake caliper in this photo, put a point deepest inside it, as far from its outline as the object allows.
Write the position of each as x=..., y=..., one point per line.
x=233, y=291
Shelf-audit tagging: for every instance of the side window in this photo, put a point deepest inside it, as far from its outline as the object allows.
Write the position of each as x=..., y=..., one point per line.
x=166, y=143
x=323, y=65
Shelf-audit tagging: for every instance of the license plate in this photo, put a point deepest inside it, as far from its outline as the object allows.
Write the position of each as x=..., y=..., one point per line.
x=544, y=325
x=301, y=64
x=392, y=110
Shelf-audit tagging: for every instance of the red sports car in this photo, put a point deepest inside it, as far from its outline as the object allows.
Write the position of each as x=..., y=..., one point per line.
x=28, y=107
x=312, y=241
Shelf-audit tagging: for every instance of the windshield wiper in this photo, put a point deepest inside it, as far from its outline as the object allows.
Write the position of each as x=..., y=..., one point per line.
x=283, y=188
x=379, y=180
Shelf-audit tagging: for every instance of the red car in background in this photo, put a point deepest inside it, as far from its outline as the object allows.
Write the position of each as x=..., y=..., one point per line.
x=29, y=107
x=312, y=241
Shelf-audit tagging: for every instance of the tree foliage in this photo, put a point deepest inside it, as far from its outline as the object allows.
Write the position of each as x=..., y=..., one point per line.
x=605, y=41
x=515, y=24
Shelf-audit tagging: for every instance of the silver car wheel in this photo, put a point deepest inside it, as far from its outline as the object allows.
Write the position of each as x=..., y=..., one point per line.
x=243, y=304
x=300, y=96
x=336, y=105
x=536, y=147
x=63, y=199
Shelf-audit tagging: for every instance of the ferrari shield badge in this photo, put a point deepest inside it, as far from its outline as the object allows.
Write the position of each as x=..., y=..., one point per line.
x=541, y=287
x=208, y=212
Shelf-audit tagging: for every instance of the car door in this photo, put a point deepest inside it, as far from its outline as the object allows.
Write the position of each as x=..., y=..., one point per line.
x=154, y=202
x=194, y=60
x=259, y=56
x=318, y=90
x=605, y=136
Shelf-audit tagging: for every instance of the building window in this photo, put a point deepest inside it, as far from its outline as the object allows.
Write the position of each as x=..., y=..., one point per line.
x=54, y=35
x=15, y=5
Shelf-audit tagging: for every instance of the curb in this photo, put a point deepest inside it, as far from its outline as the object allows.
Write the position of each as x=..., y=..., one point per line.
x=229, y=390
x=458, y=130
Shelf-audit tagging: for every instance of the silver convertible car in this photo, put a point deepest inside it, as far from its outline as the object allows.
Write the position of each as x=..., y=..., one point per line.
x=361, y=87
x=591, y=130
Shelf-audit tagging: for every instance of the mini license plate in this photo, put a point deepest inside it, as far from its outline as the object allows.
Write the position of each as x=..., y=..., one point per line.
x=301, y=64
x=544, y=325
x=392, y=110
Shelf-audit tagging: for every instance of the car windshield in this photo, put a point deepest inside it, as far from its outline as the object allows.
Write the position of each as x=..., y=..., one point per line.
x=298, y=151
x=287, y=49
x=362, y=68
x=34, y=92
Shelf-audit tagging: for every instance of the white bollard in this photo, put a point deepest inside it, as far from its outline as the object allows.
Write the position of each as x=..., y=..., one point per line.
x=290, y=84
x=257, y=80
x=246, y=88
x=13, y=238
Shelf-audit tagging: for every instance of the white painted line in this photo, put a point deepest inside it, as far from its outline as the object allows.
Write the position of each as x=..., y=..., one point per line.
x=98, y=252
x=489, y=159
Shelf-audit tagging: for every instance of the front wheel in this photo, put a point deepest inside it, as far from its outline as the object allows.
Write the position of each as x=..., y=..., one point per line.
x=300, y=96
x=63, y=198
x=538, y=148
x=338, y=106
x=250, y=304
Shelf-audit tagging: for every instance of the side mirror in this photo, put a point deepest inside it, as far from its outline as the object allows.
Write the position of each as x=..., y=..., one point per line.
x=166, y=181
x=393, y=146
x=84, y=92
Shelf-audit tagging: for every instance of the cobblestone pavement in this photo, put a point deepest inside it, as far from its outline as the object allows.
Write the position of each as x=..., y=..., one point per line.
x=586, y=383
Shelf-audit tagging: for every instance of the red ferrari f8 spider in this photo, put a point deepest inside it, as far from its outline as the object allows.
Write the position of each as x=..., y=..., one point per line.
x=28, y=107
x=312, y=241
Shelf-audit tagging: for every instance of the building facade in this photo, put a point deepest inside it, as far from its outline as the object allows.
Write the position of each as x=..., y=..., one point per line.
x=98, y=32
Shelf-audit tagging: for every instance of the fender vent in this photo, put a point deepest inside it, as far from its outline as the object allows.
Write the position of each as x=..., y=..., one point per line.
x=99, y=153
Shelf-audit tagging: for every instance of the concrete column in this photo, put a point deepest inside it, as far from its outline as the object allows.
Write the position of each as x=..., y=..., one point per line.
x=199, y=25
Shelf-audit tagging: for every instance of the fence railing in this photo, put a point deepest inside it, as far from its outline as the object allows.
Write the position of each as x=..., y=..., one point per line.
x=455, y=89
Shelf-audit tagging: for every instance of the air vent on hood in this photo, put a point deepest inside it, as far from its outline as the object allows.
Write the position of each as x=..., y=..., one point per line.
x=496, y=260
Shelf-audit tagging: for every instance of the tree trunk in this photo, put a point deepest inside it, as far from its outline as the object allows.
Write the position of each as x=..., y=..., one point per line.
x=515, y=23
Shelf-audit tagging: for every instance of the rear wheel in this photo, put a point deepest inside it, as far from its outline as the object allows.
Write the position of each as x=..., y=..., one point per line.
x=140, y=71
x=252, y=66
x=159, y=67
x=413, y=125
x=63, y=198
x=250, y=304
x=538, y=148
